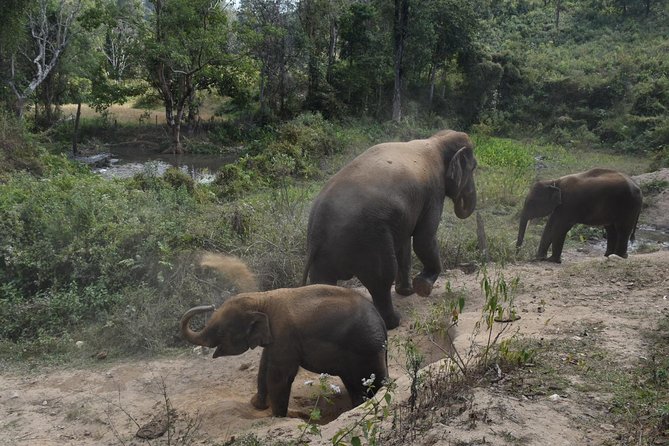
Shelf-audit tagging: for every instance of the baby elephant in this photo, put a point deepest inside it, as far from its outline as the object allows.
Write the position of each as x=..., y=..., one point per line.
x=597, y=197
x=322, y=328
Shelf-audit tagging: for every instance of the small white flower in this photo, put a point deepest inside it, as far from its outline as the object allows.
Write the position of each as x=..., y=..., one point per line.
x=324, y=376
x=335, y=388
x=308, y=382
x=368, y=381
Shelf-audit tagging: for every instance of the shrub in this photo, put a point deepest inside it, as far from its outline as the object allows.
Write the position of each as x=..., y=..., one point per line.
x=177, y=178
x=69, y=244
x=293, y=151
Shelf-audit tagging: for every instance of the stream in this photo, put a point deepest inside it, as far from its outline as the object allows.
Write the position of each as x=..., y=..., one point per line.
x=646, y=237
x=128, y=161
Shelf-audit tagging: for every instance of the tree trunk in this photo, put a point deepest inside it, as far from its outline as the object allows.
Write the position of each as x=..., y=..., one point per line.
x=332, y=49
x=261, y=94
x=176, y=138
x=400, y=31
x=433, y=73
x=482, y=239
x=20, y=106
x=75, y=136
x=558, y=8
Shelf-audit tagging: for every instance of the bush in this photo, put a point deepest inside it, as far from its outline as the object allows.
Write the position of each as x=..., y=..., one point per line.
x=177, y=178
x=69, y=244
x=292, y=151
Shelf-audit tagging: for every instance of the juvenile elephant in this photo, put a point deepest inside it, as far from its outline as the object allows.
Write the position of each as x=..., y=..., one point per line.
x=321, y=328
x=363, y=221
x=597, y=197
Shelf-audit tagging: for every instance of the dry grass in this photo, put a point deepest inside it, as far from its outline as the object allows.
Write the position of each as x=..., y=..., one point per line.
x=127, y=114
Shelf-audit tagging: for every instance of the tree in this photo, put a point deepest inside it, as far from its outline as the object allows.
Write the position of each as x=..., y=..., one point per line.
x=185, y=38
x=319, y=21
x=441, y=30
x=361, y=77
x=13, y=18
x=49, y=24
x=269, y=31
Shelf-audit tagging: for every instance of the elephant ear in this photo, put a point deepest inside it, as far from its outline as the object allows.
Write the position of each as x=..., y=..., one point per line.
x=258, y=333
x=459, y=168
x=555, y=197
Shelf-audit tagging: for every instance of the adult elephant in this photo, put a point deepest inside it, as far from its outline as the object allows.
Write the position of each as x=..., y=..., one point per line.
x=363, y=221
x=597, y=197
x=321, y=328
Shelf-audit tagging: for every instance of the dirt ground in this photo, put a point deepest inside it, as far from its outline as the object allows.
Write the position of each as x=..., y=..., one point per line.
x=609, y=301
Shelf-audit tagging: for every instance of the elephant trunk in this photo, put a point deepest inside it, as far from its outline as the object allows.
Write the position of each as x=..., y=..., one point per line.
x=521, y=230
x=464, y=204
x=195, y=337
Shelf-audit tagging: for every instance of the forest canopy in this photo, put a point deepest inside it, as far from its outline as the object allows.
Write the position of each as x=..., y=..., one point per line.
x=579, y=72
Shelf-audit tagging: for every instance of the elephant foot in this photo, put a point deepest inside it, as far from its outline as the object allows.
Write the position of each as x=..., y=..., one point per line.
x=404, y=290
x=259, y=402
x=554, y=259
x=422, y=286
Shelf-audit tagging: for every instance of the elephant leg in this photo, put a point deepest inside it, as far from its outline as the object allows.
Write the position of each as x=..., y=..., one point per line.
x=546, y=240
x=259, y=400
x=378, y=276
x=384, y=304
x=322, y=275
x=356, y=391
x=611, y=239
x=624, y=232
x=559, y=234
x=427, y=250
x=279, y=382
x=403, y=255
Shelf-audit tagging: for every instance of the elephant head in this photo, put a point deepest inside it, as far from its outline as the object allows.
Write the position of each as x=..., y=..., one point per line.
x=234, y=328
x=542, y=200
x=460, y=174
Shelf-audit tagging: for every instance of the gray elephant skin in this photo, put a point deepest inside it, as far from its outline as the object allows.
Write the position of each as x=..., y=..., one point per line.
x=321, y=328
x=597, y=197
x=364, y=219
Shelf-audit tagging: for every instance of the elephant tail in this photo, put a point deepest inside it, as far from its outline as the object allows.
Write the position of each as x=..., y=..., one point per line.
x=307, y=267
x=633, y=236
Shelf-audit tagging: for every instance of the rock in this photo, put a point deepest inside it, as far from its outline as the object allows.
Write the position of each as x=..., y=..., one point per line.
x=101, y=355
x=97, y=160
x=197, y=350
x=14, y=396
x=607, y=427
x=79, y=344
x=245, y=366
x=156, y=427
x=614, y=257
x=554, y=397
